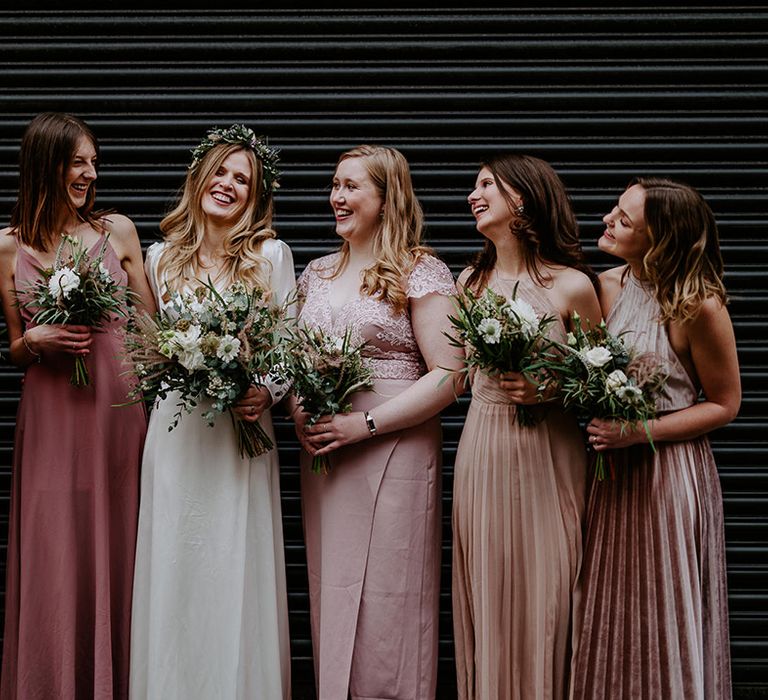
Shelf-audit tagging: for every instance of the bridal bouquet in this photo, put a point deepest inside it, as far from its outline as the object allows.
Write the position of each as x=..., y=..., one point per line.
x=501, y=335
x=600, y=377
x=325, y=371
x=208, y=345
x=78, y=289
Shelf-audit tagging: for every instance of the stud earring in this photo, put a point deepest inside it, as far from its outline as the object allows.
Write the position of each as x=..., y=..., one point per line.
x=520, y=210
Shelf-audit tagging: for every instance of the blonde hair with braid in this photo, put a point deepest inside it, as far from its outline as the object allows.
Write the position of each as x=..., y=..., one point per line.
x=397, y=242
x=184, y=227
x=683, y=265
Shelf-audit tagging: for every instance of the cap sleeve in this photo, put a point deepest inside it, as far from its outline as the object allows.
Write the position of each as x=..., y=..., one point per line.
x=282, y=277
x=430, y=275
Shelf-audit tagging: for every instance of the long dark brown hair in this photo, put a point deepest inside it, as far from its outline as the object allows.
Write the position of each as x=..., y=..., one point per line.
x=547, y=226
x=47, y=149
x=683, y=264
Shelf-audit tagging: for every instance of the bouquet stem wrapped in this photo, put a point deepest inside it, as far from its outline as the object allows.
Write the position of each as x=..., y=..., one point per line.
x=500, y=335
x=77, y=289
x=325, y=371
x=213, y=345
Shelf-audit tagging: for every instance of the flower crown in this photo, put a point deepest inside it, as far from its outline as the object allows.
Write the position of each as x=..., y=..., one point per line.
x=241, y=134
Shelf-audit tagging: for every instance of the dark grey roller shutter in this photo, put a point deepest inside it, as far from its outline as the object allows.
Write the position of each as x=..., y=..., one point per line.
x=602, y=94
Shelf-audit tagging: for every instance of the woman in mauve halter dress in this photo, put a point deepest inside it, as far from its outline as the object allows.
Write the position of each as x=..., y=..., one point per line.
x=654, y=616
x=518, y=493
x=372, y=524
x=76, y=458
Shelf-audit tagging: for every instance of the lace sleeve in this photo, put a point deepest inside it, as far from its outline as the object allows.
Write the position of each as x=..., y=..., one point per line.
x=430, y=276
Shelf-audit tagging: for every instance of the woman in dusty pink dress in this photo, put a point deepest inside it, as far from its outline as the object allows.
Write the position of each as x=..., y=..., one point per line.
x=76, y=458
x=518, y=497
x=372, y=525
x=654, y=619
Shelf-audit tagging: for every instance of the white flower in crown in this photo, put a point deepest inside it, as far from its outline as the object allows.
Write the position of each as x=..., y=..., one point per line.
x=615, y=380
x=598, y=356
x=228, y=348
x=490, y=329
x=63, y=282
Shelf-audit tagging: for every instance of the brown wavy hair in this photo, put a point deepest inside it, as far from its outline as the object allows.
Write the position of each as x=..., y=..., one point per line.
x=547, y=226
x=47, y=149
x=683, y=265
x=397, y=243
x=184, y=227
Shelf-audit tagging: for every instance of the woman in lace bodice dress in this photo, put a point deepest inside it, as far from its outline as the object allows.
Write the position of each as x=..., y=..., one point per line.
x=372, y=525
x=654, y=621
x=210, y=616
x=76, y=458
x=519, y=491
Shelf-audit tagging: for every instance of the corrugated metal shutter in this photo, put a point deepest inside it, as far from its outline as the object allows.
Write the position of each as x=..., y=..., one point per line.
x=602, y=94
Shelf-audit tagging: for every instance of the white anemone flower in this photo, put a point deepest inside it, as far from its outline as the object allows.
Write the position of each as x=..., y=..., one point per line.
x=527, y=317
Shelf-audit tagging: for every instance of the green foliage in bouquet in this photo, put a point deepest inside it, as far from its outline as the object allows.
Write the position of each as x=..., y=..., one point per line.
x=78, y=289
x=501, y=335
x=325, y=371
x=601, y=377
x=209, y=345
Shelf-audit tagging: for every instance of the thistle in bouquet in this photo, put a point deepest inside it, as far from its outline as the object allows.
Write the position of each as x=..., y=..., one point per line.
x=600, y=376
x=501, y=335
x=77, y=289
x=325, y=371
x=209, y=345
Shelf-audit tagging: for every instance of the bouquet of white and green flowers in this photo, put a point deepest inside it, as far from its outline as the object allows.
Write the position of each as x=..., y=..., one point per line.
x=79, y=290
x=501, y=335
x=601, y=377
x=209, y=345
x=325, y=371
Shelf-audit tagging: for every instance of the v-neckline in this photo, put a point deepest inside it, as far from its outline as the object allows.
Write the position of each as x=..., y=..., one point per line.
x=42, y=265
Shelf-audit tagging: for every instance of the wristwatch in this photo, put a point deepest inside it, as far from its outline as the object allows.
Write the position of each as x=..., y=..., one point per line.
x=369, y=422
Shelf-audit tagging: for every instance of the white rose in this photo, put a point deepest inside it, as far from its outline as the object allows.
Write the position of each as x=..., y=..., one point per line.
x=191, y=359
x=188, y=340
x=228, y=348
x=598, y=356
x=615, y=380
x=490, y=329
x=63, y=282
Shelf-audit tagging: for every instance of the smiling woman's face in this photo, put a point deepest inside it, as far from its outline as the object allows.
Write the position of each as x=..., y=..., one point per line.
x=356, y=201
x=626, y=234
x=228, y=188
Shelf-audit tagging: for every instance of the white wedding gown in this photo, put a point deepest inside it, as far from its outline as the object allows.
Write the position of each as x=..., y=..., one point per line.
x=210, y=616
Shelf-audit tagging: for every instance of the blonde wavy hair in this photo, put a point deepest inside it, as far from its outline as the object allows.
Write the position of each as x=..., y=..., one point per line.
x=184, y=227
x=683, y=264
x=397, y=242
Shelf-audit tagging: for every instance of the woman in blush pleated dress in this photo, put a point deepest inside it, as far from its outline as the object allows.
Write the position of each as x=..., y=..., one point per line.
x=210, y=615
x=76, y=458
x=518, y=497
x=654, y=620
x=372, y=525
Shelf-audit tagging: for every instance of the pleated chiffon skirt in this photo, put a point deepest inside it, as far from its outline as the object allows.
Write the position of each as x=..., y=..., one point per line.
x=654, y=622
x=517, y=518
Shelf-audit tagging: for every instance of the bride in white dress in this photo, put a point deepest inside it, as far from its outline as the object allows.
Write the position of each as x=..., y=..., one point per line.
x=210, y=613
